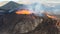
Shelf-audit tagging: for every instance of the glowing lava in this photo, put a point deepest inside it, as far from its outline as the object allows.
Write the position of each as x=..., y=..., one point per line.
x=23, y=12
x=51, y=16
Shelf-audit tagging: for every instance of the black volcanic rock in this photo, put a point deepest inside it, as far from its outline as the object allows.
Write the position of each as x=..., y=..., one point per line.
x=12, y=23
x=48, y=26
x=27, y=24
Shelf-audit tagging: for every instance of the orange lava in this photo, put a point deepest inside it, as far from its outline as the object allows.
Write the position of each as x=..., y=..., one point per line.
x=23, y=12
x=51, y=16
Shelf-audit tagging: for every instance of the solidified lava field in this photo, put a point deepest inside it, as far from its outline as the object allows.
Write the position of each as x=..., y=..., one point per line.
x=27, y=24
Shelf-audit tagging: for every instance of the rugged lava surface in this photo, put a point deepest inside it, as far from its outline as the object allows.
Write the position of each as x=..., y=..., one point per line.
x=27, y=24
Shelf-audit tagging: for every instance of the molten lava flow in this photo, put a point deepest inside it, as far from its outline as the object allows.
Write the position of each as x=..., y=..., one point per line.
x=23, y=12
x=50, y=16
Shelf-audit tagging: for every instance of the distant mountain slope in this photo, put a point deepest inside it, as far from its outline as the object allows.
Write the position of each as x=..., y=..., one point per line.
x=10, y=5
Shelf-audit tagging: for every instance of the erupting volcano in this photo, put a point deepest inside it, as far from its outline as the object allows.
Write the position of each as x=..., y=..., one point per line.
x=23, y=21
